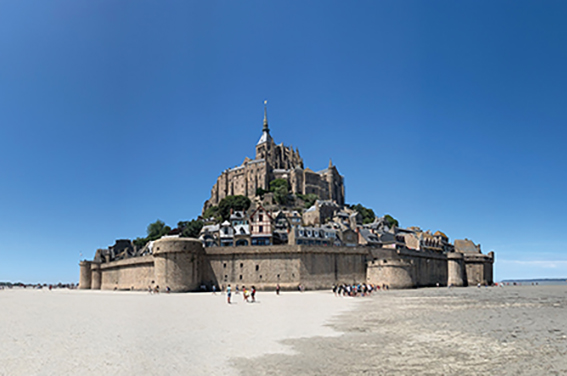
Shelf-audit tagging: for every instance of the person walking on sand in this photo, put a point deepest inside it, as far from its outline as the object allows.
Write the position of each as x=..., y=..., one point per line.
x=228, y=293
x=245, y=293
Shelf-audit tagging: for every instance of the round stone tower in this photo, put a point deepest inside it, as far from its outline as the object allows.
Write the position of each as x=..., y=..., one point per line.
x=85, y=275
x=96, y=276
x=178, y=263
x=456, y=269
x=396, y=273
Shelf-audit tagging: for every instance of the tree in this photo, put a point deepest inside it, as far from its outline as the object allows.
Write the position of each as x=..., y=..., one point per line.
x=391, y=221
x=366, y=213
x=277, y=183
x=309, y=199
x=190, y=229
x=212, y=212
x=154, y=231
x=232, y=202
x=261, y=192
x=280, y=188
x=157, y=229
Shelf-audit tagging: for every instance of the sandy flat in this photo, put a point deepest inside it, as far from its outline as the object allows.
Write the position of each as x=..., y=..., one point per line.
x=65, y=332
x=460, y=331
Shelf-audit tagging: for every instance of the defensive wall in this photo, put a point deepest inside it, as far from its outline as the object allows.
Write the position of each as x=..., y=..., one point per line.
x=183, y=264
x=406, y=268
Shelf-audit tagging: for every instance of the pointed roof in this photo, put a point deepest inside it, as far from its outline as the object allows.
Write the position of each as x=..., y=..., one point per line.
x=265, y=130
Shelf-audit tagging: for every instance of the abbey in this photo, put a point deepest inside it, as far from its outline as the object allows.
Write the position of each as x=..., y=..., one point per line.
x=277, y=162
x=272, y=246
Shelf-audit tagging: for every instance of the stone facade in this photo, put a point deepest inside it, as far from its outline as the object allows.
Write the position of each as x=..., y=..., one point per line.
x=271, y=162
x=183, y=264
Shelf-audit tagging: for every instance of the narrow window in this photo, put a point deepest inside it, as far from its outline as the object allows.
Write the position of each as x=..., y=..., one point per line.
x=260, y=217
x=241, y=277
x=260, y=228
x=257, y=267
x=241, y=265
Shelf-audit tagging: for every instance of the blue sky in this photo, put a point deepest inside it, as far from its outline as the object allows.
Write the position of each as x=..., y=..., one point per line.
x=447, y=115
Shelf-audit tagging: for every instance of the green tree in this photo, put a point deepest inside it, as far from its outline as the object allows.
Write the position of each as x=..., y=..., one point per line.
x=280, y=188
x=277, y=183
x=190, y=229
x=391, y=221
x=156, y=230
x=309, y=199
x=232, y=202
x=261, y=192
x=366, y=213
x=212, y=212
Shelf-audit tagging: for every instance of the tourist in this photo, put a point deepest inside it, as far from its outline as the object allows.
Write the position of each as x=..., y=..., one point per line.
x=244, y=293
x=228, y=293
x=214, y=289
x=278, y=289
x=253, y=294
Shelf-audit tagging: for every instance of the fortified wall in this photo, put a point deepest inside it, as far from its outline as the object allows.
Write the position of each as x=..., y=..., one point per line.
x=183, y=264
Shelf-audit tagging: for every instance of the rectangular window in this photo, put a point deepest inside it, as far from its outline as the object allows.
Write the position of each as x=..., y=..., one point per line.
x=260, y=218
x=260, y=228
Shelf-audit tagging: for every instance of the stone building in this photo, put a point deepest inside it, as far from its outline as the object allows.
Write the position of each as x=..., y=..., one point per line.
x=326, y=245
x=276, y=161
x=184, y=264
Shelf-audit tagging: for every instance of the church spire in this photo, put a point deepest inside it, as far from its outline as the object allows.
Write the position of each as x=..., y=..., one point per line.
x=266, y=129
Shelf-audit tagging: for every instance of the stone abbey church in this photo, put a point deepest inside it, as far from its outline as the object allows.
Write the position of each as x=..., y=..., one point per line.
x=327, y=245
x=277, y=162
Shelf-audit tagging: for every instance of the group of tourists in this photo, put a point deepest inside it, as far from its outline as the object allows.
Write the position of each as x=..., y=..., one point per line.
x=249, y=295
x=360, y=289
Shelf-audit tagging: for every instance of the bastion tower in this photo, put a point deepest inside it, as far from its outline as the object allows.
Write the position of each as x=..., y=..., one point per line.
x=276, y=161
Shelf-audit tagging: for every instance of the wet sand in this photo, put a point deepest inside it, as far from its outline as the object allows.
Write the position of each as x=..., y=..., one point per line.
x=464, y=331
x=461, y=331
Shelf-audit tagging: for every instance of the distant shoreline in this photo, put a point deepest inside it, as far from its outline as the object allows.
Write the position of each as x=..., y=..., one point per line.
x=544, y=281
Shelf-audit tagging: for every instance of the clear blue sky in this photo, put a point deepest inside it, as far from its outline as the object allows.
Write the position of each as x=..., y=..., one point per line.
x=448, y=115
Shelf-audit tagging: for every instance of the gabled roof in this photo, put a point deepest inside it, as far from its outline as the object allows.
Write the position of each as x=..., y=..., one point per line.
x=264, y=210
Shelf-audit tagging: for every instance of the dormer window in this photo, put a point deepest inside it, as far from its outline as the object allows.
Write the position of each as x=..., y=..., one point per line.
x=260, y=218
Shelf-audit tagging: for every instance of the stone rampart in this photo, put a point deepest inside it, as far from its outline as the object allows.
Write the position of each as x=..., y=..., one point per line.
x=179, y=263
x=479, y=268
x=136, y=273
x=85, y=275
x=456, y=269
x=182, y=264
x=406, y=268
x=315, y=267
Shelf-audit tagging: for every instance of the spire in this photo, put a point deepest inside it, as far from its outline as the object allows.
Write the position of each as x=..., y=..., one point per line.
x=266, y=129
x=330, y=163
